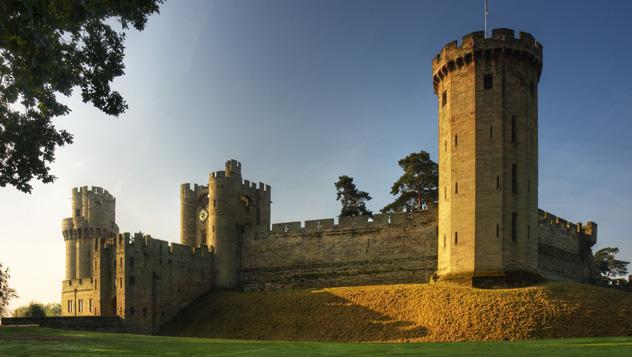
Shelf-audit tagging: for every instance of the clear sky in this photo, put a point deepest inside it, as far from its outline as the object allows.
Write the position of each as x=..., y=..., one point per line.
x=304, y=91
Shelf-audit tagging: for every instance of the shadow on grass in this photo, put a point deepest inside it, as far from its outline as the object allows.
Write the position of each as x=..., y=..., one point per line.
x=314, y=315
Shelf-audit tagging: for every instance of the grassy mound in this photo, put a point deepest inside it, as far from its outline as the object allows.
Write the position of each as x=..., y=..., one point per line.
x=398, y=313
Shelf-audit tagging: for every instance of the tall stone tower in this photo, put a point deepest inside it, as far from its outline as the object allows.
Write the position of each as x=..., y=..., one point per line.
x=92, y=218
x=220, y=214
x=488, y=158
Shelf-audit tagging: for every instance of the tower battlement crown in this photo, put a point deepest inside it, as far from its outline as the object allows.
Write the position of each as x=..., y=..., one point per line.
x=475, y=46
x=92, y=191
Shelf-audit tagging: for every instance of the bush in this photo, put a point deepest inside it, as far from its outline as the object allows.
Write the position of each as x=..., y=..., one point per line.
x=33, y=309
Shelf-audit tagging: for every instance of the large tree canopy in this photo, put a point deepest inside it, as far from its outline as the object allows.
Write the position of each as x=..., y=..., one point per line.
x=48, y=48
x=353, y=201
x=417, y=186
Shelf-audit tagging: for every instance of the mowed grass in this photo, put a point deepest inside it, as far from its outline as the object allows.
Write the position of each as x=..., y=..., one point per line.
x=38, y=341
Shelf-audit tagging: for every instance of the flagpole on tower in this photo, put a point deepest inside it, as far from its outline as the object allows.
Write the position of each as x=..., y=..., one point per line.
x=485, y=11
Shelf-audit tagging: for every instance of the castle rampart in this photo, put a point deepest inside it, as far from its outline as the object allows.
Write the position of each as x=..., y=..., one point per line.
x=395, y=248
x=564, y=248
x=390, y=248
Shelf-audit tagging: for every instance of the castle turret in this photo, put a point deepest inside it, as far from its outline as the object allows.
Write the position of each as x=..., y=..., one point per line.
x=93, y=217
x=193, y=215
x=235, y=207
x=488, y=158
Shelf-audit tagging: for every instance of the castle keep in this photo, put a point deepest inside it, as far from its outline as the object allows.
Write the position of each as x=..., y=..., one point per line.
x=486, y=229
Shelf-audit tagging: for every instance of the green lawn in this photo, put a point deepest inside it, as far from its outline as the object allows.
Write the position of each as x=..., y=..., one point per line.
x=37, y=341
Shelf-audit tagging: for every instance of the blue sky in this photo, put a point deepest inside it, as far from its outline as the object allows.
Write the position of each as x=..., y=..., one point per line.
x=304, y=91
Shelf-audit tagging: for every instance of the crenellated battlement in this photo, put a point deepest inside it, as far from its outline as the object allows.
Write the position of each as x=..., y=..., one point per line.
x=475, y=46
x=192, y=188
x=587, y=230
x=92, y=191
x=399, y=219
x=145, y=242
x=78, y=284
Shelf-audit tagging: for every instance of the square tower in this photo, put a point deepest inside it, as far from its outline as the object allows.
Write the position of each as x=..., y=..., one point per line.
x=488, y=158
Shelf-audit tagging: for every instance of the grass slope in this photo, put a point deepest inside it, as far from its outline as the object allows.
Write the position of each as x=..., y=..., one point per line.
x=36, y=341
x=409, y=313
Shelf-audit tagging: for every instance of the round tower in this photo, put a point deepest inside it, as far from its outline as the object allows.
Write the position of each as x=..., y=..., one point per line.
x=223, y=227
x=487, y=90
x=188, y=212
x=93, y=217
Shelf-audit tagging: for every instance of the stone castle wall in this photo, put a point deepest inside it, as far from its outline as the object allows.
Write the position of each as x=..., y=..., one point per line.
x=564, y=248
x=142, y=280
x=395, y=248
x=155, y=279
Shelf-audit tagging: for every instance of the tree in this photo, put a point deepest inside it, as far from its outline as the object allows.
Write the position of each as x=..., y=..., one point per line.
x=607, y=264
x=353, y=201
x=47, y=49
x=53, y=309
x=33, y=309
x=6, y=292
x=417, y=186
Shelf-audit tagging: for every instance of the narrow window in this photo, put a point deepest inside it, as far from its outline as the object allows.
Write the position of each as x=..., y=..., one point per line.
x=121, y=282
x=514, y=178
x=444, y=241
x=456, y=187
x=491, y=132
x=121, y=262
x=80, y=307
x=77, y=212
x=445, y=145
x=213, y=228
x=214, y=203
x=514, y=226
x=69, y=305
x=445, y=192
x=444, y=98
x=90, y=305
x=497, y=230
x=497, y=181
x=488, y=81
x=456, y=237
x=513, y=128
x=456, y=140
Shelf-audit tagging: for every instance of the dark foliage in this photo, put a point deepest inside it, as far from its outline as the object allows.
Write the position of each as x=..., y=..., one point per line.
x=48, y=48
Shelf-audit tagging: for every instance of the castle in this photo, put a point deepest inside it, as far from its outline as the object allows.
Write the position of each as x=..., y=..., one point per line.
x=486, y=230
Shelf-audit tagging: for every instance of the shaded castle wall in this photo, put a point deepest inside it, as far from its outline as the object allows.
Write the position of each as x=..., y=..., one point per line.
x=402, y=249
x=564, y=248
x=397, y=248
x=155, y=279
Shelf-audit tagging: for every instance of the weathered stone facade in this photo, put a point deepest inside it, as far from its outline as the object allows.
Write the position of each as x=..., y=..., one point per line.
x=488, y=157
x=486, y=230
x=142, y=280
